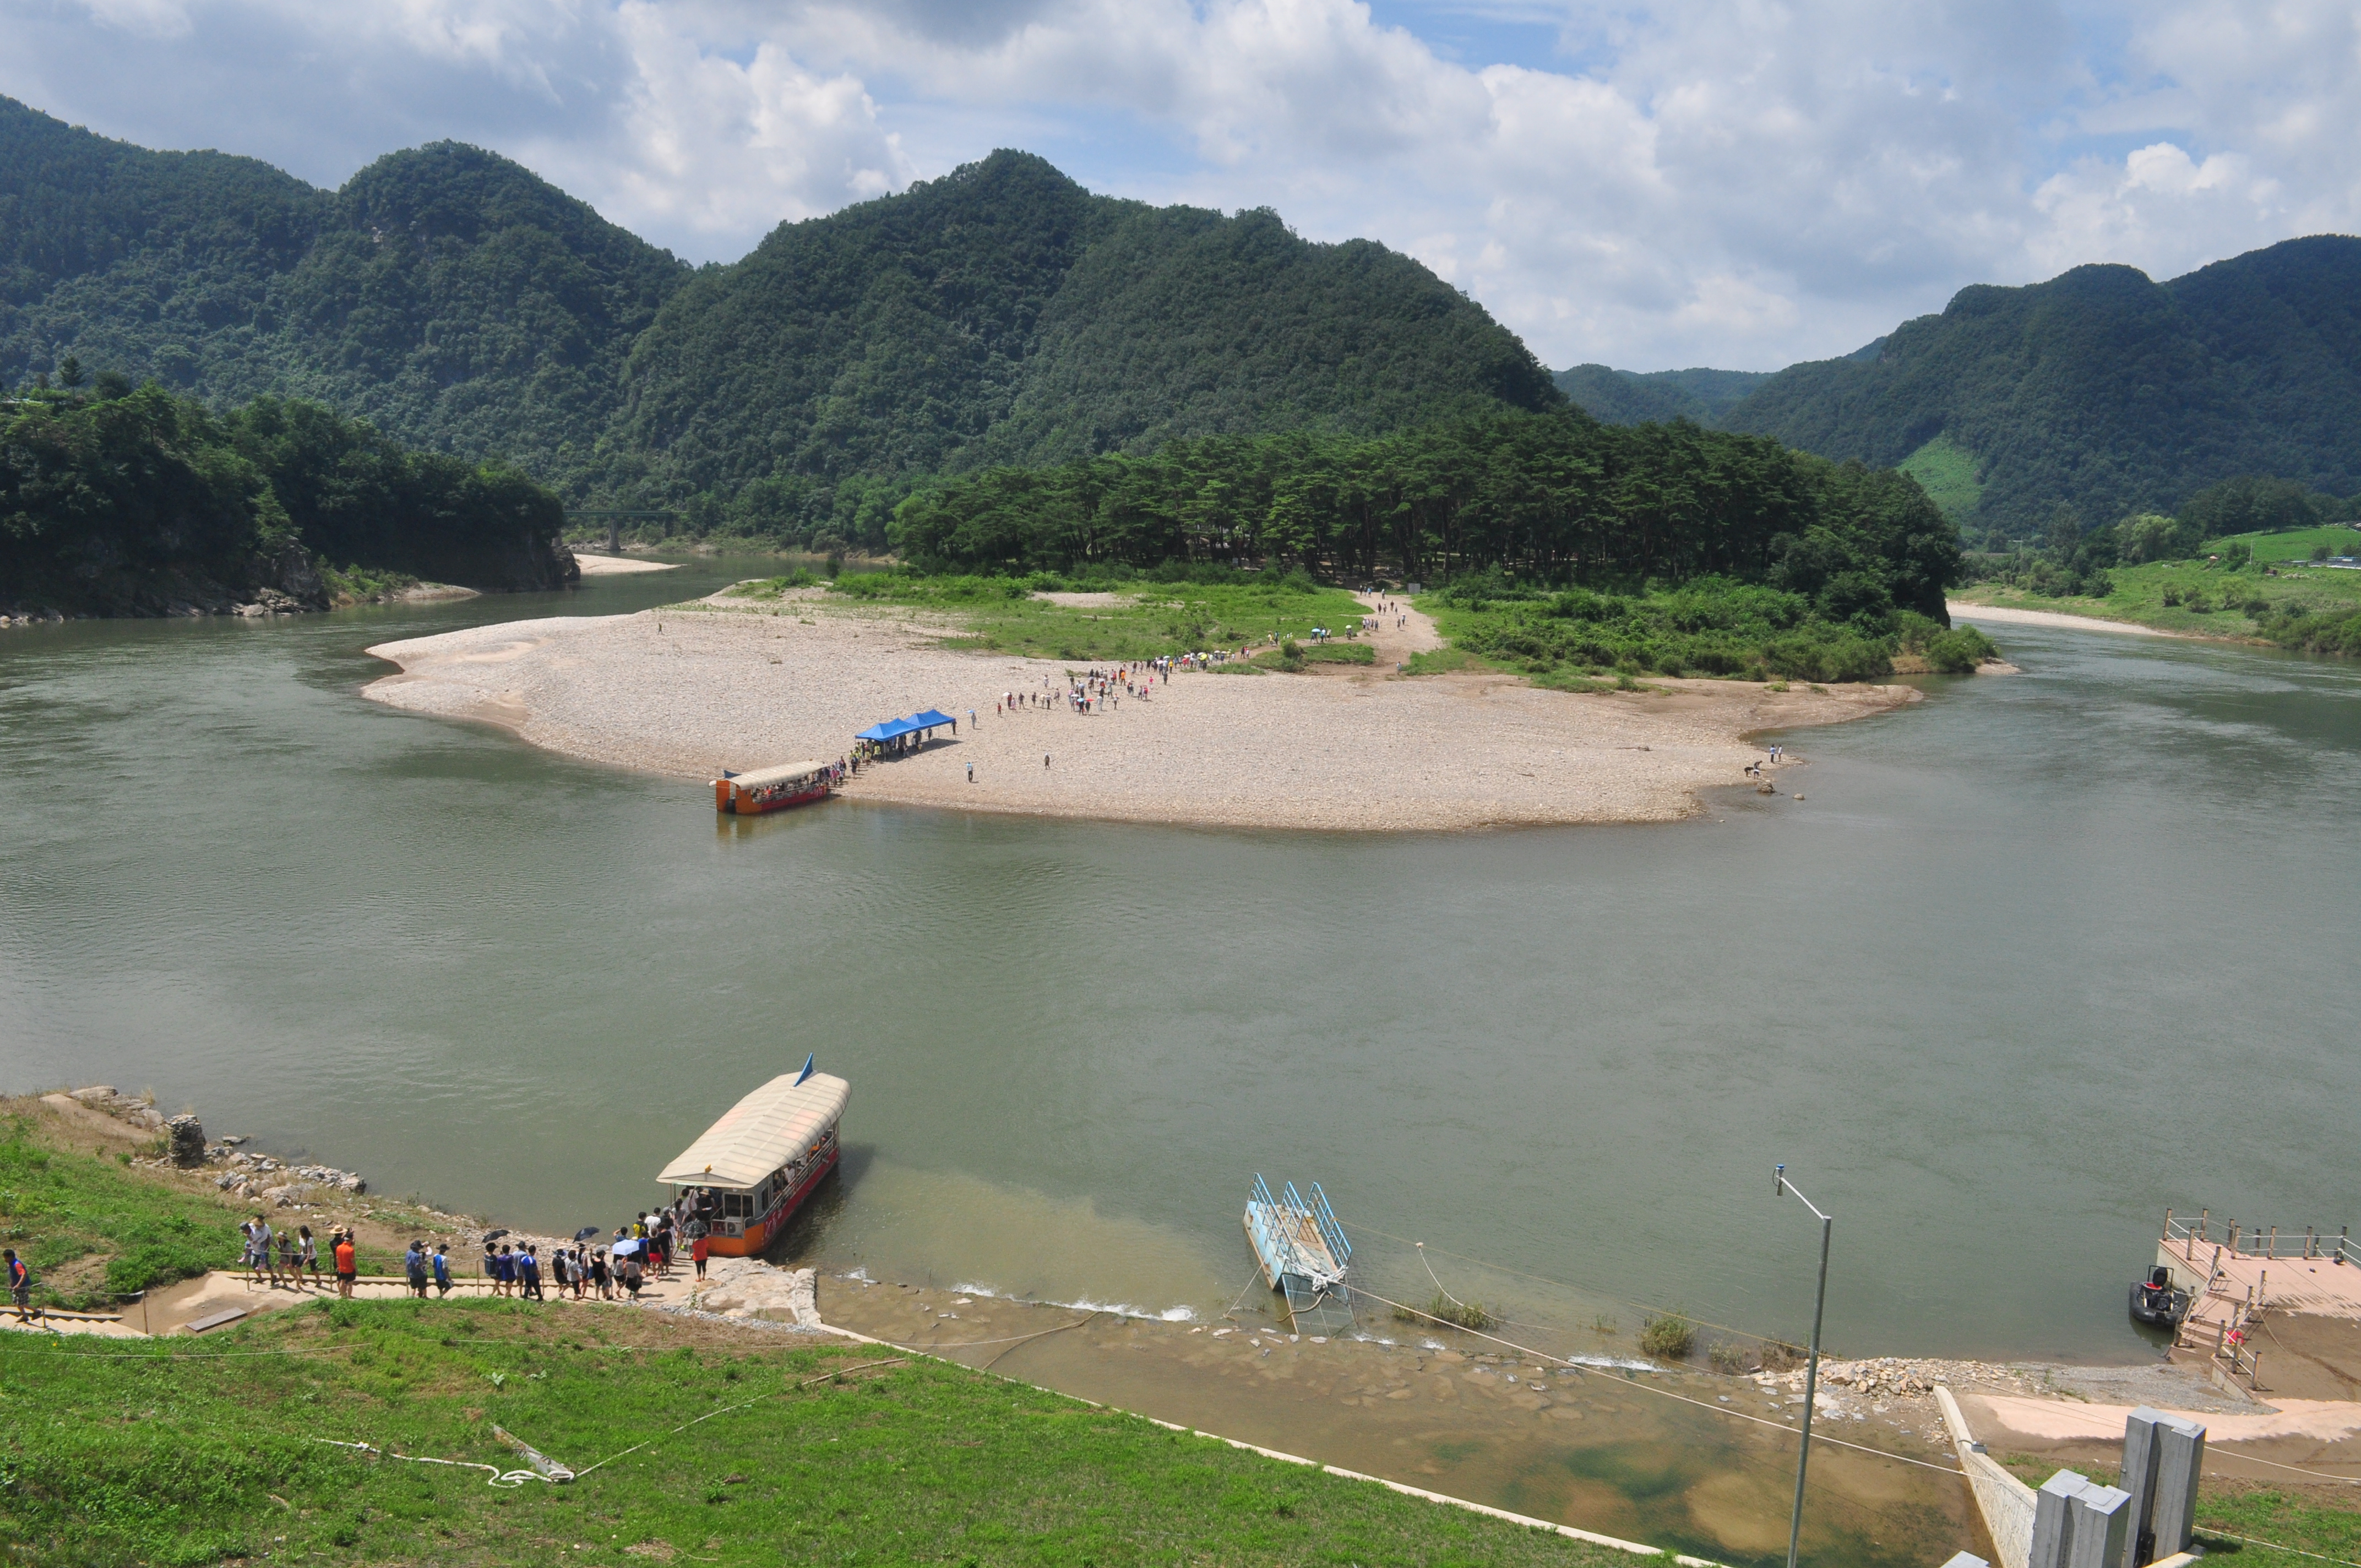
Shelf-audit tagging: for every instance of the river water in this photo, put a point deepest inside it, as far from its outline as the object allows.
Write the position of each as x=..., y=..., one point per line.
x=2033, y=960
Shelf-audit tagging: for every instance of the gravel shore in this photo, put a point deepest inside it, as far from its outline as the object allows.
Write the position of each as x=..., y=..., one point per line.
x=690, y=691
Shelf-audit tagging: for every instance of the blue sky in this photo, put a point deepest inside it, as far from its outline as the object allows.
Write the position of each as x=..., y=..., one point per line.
x=1733, y=183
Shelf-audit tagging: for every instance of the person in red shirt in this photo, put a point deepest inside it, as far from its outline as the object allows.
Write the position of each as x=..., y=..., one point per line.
x=697, y=1253
x=348, y=1264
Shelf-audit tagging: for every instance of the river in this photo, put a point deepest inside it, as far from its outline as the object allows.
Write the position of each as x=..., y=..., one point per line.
x=2029, y=962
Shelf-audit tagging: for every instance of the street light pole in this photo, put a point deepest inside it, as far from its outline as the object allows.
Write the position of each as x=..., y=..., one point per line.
x=1781, y=1187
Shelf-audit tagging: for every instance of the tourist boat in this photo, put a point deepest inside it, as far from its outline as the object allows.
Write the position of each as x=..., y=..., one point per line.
x=772, y=789
x=748, y=1173
x=2157, y=1300
x=1303, y=1252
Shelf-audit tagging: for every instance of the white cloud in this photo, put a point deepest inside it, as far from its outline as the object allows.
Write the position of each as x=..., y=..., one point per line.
x=1657, y=183
x=145, y=18
x=721, y=148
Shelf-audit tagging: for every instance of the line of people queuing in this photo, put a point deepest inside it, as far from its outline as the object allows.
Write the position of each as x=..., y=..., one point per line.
x=286, y=1260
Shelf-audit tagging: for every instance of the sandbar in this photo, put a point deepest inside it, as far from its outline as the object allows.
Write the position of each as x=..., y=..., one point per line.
x=689, y=691
x=2001, y=614
x=595, y=565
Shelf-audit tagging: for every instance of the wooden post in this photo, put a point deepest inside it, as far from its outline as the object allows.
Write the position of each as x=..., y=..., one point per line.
x=2274, y=1242
x=2205, y=1219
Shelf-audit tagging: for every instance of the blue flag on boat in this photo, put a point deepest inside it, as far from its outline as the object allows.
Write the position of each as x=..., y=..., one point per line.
x=808, y=1067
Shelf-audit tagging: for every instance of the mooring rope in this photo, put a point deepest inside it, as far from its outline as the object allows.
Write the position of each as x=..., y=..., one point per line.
x=497, y=1477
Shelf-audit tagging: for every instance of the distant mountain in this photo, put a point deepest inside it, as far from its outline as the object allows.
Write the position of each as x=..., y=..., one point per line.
x=1001, y=313
x=2101, y=390
x=1657, y=396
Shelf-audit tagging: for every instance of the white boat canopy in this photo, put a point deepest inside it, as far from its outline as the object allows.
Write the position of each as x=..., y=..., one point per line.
x=780, y=774
x=761, y=1133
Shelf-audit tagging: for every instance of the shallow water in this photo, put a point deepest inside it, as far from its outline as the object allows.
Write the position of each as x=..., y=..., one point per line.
x=2035, y=960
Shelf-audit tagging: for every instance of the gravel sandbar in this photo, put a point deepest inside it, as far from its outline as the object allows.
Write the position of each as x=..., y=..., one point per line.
x=688, y=692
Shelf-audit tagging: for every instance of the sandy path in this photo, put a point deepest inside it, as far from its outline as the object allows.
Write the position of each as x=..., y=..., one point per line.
x=1395, y=644
x=689, y=693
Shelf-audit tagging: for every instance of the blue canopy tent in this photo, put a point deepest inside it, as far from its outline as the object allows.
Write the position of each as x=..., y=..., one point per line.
x=917, y=724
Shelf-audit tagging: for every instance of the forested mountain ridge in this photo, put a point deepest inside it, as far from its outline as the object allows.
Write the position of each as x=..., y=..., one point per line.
x=1654, y=396
x=2102, y=391
x=458, y=302
x=451, y=297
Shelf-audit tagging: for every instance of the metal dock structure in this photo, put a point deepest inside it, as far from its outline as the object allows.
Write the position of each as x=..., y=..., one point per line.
x=1303, y=1252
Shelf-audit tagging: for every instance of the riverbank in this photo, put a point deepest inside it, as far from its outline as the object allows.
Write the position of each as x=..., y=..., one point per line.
x=692, y=690
x=1584, y=1440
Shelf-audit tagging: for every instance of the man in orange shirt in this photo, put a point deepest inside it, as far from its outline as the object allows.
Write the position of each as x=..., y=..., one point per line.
x=348, y=1264
x=698, y=1250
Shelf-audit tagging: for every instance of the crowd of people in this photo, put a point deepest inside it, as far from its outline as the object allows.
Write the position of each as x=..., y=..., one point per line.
x=1092, y=690
x=650, y=1248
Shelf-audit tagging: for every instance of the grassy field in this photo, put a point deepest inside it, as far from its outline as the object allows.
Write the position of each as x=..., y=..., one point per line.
x=2210, y=601
x=1947, y=472
x=178, y=1451
x=1133, y=620
x=157, y=1453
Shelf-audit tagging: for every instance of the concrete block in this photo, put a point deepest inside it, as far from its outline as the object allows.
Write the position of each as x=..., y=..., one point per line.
x=2180, y=1462
x=2101, y=1519
x=2138, y=1478
x=2053, y=1519
x=1966, y=1560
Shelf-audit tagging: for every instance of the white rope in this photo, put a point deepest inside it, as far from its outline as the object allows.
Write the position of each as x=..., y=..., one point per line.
x=497, y=1477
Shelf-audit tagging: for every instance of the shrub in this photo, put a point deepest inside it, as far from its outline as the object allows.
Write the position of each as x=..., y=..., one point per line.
x=1958, y=651
x=1727, y=1358
x=1442, y=1309
x=1668, y=1338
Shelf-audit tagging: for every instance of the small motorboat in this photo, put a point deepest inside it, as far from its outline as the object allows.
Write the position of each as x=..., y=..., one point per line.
x=2157, y=1300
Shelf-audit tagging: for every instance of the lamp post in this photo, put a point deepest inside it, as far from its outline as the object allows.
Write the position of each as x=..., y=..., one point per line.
x=1781, y=1187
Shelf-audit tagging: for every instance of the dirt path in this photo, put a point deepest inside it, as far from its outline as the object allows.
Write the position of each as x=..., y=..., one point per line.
x=1397, y=644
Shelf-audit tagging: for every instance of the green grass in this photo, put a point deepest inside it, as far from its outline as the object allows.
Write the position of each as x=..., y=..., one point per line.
x=93, y=1228
x=2296, y=545
x=1305, y=654
x=1146, y=620
x=2317, y=1519
x=117, y=1454
x=1947, y=472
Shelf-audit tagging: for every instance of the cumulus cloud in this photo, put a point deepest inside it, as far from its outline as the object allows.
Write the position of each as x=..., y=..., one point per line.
x=1650, y=182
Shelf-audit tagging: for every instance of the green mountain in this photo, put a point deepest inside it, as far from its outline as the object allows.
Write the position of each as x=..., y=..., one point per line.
x=2101, y=390
x=1657, y=396
x=450, y=296
x=459, y=302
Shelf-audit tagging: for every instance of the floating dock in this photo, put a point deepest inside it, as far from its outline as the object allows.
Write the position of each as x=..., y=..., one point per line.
x=1303, y=1252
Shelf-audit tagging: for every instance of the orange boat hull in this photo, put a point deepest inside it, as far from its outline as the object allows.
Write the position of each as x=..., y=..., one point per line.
x=760, y=1232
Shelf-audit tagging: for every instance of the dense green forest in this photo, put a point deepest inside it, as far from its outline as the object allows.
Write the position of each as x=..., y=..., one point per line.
x=1554, y=497
x=2102, y=394
x=145, y=502
x=1001, y=313
x=1657, y=396
x=1679, y=548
